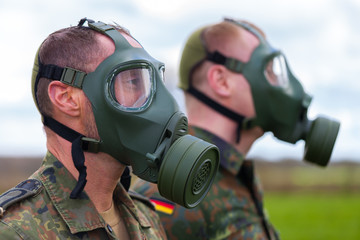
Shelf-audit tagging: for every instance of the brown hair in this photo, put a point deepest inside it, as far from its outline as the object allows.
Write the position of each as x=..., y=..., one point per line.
x=74, y=47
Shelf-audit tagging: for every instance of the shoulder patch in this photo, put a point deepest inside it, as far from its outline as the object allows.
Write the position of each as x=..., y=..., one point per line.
x=162, y=205
x=23, y=190
x=141, y=198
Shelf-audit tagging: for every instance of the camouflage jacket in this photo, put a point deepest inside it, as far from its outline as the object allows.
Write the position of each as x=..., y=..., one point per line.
x=49, y=213
x=233, y=208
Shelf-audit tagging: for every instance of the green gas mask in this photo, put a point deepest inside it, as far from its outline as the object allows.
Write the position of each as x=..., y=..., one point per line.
x=138, y=121
x=281, y=103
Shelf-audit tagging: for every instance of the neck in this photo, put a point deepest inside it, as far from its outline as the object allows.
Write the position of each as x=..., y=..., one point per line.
x=247, y=138
x=224, y=128
x=103, y=171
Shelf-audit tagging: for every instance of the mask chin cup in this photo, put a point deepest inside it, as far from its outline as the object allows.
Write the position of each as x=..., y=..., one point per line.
x=188, y=170
x=320, y=140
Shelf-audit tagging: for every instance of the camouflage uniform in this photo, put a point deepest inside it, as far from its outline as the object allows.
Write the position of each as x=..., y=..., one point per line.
x=232, y=209
x=51, y=214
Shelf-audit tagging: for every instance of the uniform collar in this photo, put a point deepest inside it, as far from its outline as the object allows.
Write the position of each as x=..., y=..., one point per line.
x=80, y=214
x=230, y=158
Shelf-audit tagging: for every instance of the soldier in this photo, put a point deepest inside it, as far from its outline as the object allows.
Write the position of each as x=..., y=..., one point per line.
x=101, y=97
x=236, y=88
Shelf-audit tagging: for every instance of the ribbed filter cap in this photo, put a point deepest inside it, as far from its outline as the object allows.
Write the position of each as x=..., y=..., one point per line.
x=188, y=171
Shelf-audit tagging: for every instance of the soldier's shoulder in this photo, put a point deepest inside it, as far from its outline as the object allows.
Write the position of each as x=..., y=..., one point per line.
x=143, y=199
x=20, y=192
x=10, y=212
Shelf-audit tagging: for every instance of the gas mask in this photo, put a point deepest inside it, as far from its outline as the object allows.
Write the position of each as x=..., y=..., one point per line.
x=138, y=121
x=281, y=103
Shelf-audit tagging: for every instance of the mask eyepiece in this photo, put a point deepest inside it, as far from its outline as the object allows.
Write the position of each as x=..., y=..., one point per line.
x=132, y=87
x=276, y=71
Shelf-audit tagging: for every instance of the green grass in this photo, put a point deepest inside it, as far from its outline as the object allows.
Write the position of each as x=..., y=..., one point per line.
x=315, y=215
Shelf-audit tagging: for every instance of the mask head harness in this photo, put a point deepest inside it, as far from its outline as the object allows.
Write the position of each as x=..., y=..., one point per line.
x=138, y=121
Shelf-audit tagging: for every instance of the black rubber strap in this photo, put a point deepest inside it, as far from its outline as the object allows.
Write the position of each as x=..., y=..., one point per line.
x=65, y=75
x=219, y=108
x=79, y=161
x=77, y=152
x=216, y=57
x=232, y=64
x=60, y=129
x=126, y=178
x=83, y=20
x=50, y=71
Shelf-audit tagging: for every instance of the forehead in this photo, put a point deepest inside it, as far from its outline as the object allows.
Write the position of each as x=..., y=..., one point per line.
x=244, y=44
x=108, y=46
x=131, y=40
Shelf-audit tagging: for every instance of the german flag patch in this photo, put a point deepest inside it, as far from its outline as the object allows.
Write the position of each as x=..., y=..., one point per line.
x=163, y=206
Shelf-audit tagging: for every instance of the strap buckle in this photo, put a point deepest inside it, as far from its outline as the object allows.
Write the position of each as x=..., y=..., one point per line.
x=73, y=77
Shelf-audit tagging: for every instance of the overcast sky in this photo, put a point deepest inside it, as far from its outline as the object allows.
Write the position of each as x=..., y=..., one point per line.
x=321, y=40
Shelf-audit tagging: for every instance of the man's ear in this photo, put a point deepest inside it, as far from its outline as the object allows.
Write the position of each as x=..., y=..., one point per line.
x=218, y=80
x=65, y=98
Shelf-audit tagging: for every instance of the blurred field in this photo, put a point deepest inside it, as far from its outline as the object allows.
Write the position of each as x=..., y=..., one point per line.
x=309, y=202
x=303, y=201
x=14, y=170
x=291, y=175
x=299, y=216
